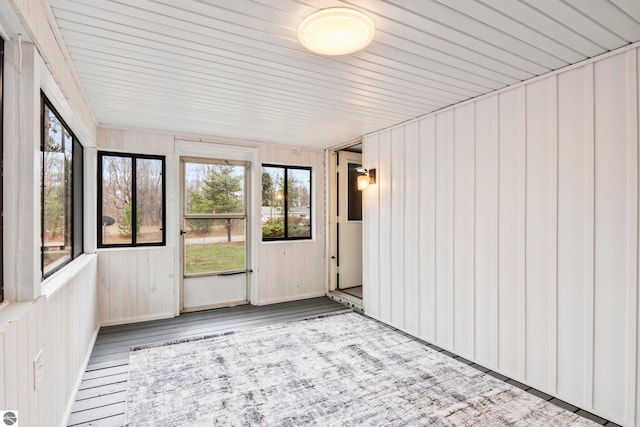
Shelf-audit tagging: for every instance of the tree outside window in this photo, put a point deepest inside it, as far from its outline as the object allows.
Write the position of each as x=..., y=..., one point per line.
x=214, y=217
x=131, y=200
x=61, y=193
x=286, y=202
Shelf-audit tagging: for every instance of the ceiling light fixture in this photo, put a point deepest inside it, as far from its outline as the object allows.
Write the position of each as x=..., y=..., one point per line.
x=336, y=31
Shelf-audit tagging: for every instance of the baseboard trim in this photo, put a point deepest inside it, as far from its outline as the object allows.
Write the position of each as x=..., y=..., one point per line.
x=136, y=319
x=288, y=299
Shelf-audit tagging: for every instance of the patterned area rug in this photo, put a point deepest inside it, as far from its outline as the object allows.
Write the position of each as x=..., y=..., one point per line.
x=336, y=370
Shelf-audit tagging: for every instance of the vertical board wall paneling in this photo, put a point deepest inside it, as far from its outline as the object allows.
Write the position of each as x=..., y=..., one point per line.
x=511, y=244
x=444, y=228
x=633, y=237
x=41, y=339
x=411, y=228
x=143, y=293
x=166, y=273
x=11, y=368
x=61, y=326
x=397, y=227
x=575, y=234
x=32, y=348
x=554, y=192
x=636, y=404
x=541, y=167
x=117, y=272
x=464, y=224
x=156, y=292
x=371, y=234
x=135, y=284
x=614, y=217
x=384, y=179
x=24, y=377
x=2, y=376
x=276, y=281
x=130, y=288
x=103, y=287
x=486, y=232
x=427, y=228
x=69, y=330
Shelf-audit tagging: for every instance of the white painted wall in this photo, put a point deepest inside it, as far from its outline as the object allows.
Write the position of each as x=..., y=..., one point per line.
x=62, y=327
x=55, y=318
x=505, y=230
x=293, y=270
x=136, y=284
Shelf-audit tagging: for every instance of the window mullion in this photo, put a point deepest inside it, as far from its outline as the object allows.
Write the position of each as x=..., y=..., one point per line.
x=215, y=216
x=135, y=204
x=134, y=201
x=286, y=203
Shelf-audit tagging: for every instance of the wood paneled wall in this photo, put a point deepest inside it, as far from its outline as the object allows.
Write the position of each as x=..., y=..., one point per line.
x=55, y=318
x=296, y=269
x=505, y=229
x=136, y=284
x=62, y=326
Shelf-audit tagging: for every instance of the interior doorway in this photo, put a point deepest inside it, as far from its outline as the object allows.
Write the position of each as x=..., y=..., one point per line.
x=345, y=204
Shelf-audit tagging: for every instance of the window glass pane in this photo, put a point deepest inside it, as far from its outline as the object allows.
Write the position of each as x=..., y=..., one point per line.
x=56, y=188
x=214, y=189
x=78, y=199
x=68, y=187
x=214, y=245
x=273, y=202
x=149, y=200
x=299, y=203
x=354, y=203
x=116, y=200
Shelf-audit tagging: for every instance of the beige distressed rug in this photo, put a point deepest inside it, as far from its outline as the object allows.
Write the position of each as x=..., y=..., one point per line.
x=336, y=370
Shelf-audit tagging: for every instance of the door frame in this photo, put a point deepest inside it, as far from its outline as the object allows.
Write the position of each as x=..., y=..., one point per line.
x=211, y=151
x=332, y=205
x=183, y=235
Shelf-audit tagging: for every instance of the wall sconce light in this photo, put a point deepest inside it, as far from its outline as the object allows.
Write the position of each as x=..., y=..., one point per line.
x=367, y=177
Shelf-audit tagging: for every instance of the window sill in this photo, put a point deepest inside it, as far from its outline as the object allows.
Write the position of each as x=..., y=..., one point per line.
x=61, y=277
x=271, y=242
x=132, y=248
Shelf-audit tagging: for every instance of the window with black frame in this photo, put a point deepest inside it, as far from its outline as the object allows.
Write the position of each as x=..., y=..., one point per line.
x=61, y=192
x=131, y=189
x=286, y=202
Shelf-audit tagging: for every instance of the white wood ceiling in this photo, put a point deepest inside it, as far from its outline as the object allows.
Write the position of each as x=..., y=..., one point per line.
x=234, y=68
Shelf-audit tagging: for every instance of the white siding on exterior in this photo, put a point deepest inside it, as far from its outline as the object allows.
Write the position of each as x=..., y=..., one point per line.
x=527, y=237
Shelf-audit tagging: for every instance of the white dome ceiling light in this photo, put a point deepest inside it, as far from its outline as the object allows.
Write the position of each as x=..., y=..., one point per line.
x=336, y=31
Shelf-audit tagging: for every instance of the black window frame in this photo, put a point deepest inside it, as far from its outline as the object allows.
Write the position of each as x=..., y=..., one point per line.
x=77, y=188
x=286, y=169
x=134, y=157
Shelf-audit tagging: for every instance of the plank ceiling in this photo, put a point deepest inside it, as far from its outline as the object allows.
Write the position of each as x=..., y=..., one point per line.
x=234, y=68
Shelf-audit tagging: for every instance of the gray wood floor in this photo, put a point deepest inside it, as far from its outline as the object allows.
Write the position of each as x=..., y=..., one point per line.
x=100, y=399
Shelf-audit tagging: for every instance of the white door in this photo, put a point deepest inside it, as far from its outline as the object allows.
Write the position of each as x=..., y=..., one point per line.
x=214, y=233
x=349, y=221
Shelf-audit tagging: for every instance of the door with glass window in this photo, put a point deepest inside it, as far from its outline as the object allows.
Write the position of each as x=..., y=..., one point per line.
x=214, y=233
x=349, y=221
